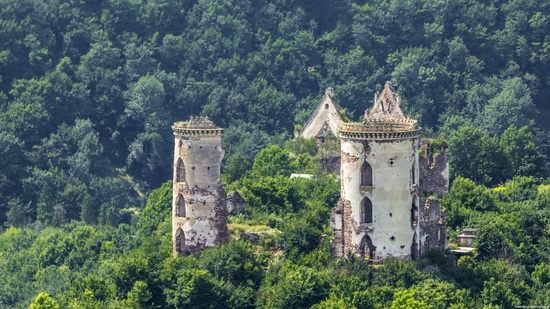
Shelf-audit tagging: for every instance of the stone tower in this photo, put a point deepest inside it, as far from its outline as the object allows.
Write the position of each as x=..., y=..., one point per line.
x=377, y=214
x=199, y=212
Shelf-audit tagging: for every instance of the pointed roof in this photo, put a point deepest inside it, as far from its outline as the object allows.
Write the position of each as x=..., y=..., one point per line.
x=326, y=116
x=385, y=120
x=387, y=105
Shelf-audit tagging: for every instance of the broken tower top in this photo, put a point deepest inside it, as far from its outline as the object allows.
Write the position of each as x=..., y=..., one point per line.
x=385, y=121
x=201, y=125
x=387, y=105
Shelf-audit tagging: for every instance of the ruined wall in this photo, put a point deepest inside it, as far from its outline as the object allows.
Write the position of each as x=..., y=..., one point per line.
x=337, y=225
x=432, y=227
x=434, y=170
x=434, y=182
x=235, y=203
x=205, y=224
x=392, y=195
x=202, y=221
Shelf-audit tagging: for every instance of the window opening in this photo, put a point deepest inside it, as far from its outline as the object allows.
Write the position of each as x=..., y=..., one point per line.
x=180, y=241
x=366, y=174
x=366, y=211
x=180, y=206
x=180, y=171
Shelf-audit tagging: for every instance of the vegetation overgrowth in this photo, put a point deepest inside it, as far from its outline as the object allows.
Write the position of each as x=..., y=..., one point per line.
x=89, y=89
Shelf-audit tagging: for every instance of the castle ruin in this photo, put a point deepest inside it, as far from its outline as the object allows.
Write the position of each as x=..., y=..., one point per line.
x=390, y=183
x=199, y=210
x=382, y=212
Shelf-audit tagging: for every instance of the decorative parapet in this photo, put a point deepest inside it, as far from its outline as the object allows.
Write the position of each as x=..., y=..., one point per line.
x=196, y=126
x=381, y=129
x=377, y=135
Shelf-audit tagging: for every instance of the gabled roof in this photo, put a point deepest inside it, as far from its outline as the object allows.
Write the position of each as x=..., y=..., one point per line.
x=325, y=116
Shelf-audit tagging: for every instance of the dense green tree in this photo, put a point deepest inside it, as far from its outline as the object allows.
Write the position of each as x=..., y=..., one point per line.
x=520, y=149
x=497, y=293
x=477, y=156
x=407, y=299
x=297, y=236
x=14, y=159
x=272, y=161
x=44, y=301
x=236, y=167
x=511, y=106
x=195, y=288
x=234, y=262
x=463, y=197
x=296, y=288
x=157, y=209
x=89, y=89
x=490, y=242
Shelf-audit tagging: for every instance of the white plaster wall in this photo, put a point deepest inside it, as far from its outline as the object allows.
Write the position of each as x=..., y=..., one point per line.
x=202, y=158
x=391, y=192
x=330, y=115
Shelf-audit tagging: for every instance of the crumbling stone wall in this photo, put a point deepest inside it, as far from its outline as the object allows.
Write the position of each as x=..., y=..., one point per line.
x=205, y=224
x=235, y=203
x=433, y=226
x=337, y=224
x=434, y=169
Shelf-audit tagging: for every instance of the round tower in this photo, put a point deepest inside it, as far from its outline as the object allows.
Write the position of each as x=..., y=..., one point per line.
x=199, y=212
x=377, y=214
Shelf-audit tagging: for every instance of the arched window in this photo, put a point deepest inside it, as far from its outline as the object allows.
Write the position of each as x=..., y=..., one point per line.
x=366, y=211
x=180, y=171
x=366, y=249
x=366, y=175
x=180, y=241
x=180, y=206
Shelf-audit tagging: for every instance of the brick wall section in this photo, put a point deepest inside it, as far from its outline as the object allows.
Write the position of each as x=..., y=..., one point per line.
x=434, y=170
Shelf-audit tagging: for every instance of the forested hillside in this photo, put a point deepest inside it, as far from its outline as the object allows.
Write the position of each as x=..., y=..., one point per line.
x=89, y=90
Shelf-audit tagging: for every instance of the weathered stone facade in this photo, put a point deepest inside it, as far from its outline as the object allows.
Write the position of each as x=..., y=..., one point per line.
x=434, y=170
x=199, y=207
x=326, y=118
x=378, y=215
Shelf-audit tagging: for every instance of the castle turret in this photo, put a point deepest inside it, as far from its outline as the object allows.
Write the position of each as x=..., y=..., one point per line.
x=377, y=214
x=199, y=212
